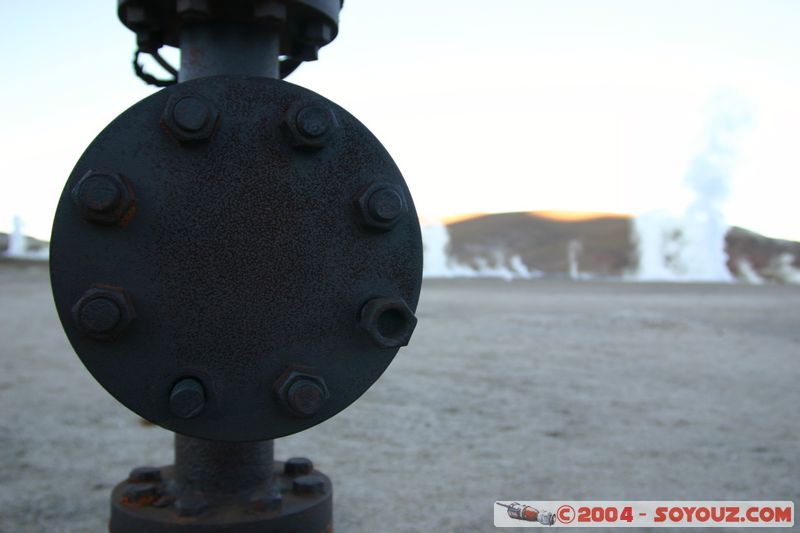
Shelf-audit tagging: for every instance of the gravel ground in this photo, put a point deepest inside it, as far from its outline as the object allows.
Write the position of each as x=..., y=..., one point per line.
x=538, y=390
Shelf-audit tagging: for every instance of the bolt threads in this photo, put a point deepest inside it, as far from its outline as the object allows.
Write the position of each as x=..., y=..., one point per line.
x=187, y=399
x=104, y=198
x=103, y=312
x=191, y=114
x=305, y=398
x=310, y=126
x=381, y=206
x=99, y=315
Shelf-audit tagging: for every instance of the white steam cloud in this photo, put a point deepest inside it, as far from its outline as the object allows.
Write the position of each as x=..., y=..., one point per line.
x=18, y=245
x=692, y=247
x=437, y=262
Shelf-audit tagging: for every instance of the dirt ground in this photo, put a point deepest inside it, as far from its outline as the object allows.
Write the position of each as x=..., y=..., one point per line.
x=531, y=390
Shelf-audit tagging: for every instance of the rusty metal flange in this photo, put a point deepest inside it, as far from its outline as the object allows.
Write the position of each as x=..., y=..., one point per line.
x=304, y=25
x=249, y=259
x=151, y=500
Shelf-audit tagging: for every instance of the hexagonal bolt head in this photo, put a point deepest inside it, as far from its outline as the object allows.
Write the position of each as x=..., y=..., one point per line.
x=309, y=485
x=193, y=9
x=103, y=312
x=381, y=206
x=187, y=399
x=189, y=118
x=269, y=10
x=310, y=126
x=298, y=466
x=104, y=198
x=138, y=16
x=145, y=474
x=301, y=392
x=317, y=31
x=148, y=41
x=389, y=321
x=305, y=51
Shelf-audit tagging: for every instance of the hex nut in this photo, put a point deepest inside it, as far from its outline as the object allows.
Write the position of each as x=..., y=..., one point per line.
x=310, y=125
x=189, y=118
x=193, y=9
x=381, y=205
x=309, y=485
x=104, y=312
x=318, y=32
x=305, y=51
x=137, y=16
x=145, y=474
x=298, y=466
x=263, y=502
x=104, y=198
x=301, y=391
x=269, y=10
x=389, y=321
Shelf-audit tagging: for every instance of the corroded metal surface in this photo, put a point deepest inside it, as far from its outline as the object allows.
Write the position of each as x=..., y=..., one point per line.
x=252, y=252
x=300, y=29
x=295, y=498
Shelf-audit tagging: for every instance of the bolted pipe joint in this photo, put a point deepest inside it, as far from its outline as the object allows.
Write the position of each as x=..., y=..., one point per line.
x=104, y=198
x=389, y=321
x=103, y=312
x=381, y=206
x=310, y=126
x=189, y=118
x=301, y=391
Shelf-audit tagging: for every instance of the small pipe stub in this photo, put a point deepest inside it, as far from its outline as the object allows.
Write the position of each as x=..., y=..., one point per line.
x=187, y=399
x=389, y=321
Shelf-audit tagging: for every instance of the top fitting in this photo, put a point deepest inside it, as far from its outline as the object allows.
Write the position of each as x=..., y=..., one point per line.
x=302, y=26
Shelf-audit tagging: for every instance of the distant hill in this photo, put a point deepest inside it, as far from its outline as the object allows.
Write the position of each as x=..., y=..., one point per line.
x=604, y=246
x=541, y=242
x=606, y=243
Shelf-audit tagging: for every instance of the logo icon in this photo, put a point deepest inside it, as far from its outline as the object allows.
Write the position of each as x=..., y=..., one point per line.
x=527, y=513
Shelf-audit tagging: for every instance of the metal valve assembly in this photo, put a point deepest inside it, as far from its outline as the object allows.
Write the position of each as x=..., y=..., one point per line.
x=236, y=259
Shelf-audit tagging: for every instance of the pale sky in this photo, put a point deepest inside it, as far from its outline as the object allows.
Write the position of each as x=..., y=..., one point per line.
x=510, y=105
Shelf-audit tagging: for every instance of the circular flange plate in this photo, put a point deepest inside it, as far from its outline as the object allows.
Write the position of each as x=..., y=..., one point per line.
x=219, y=242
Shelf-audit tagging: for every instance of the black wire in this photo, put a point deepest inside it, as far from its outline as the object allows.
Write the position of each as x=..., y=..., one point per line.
x=149, y=78
x=286, y=67
x=163, y=62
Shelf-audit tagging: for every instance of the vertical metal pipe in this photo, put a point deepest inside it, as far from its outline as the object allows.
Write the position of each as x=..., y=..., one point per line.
x=222, y=468
x=212, y=48
x=219, y=47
